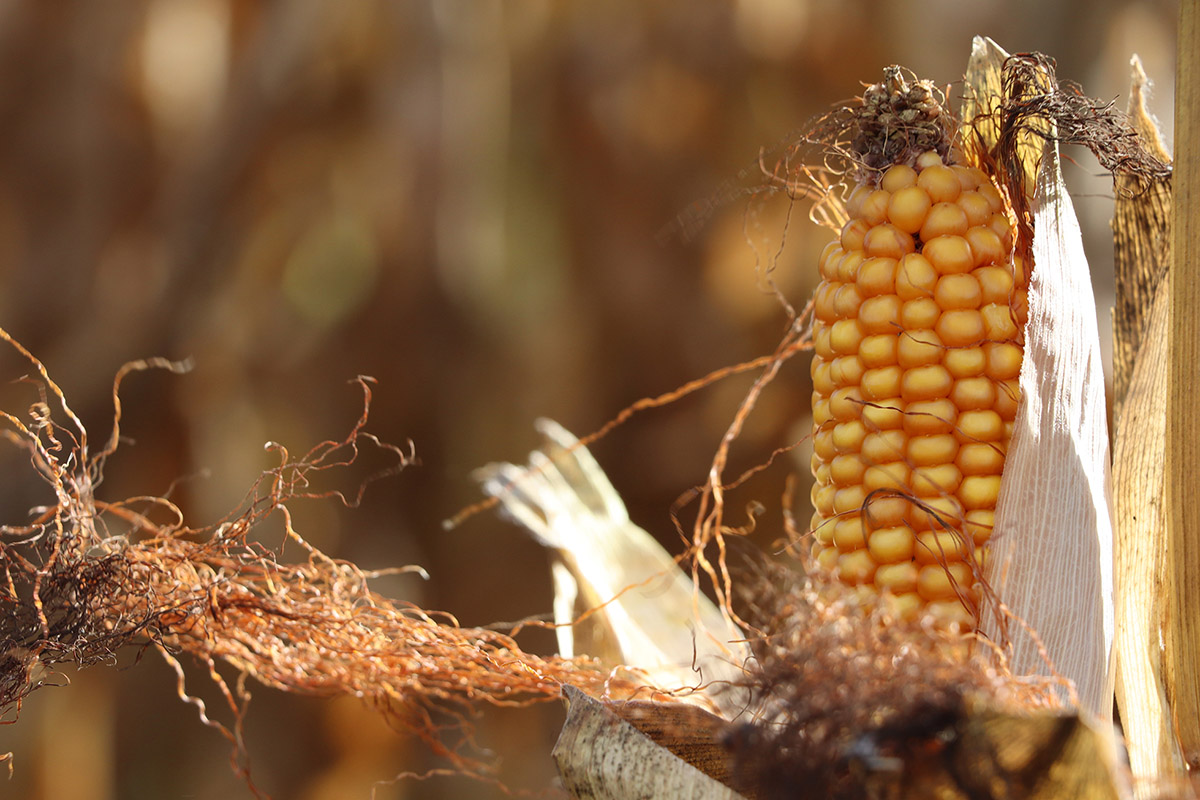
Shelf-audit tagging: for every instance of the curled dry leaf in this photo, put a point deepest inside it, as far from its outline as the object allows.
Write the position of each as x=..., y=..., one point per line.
x=641, y=609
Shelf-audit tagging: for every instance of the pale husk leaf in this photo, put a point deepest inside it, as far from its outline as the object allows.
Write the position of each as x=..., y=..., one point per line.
x=1051, y=554
x=650, y=613
x=1141, y=228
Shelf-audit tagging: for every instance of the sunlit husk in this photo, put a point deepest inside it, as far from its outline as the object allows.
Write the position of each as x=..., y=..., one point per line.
x=1051, y=562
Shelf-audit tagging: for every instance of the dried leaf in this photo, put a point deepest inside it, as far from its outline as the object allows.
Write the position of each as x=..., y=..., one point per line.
x=653, y=618
x=1141, y=233
x=1051, y=559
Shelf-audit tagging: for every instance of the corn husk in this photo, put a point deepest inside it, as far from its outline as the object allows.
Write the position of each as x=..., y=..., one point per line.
x=643, y=610
x=1181, y=628
x=1142, y=245
x=1051, y=551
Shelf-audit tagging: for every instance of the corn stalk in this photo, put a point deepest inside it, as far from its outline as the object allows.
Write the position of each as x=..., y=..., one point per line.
x=1182, y=629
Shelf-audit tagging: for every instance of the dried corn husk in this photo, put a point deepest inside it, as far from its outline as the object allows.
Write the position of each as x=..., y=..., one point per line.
x=648, y=610
x=1142, y=238
x=1051, y=552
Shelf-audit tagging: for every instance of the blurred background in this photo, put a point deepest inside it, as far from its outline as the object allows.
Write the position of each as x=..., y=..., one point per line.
x=463, y=199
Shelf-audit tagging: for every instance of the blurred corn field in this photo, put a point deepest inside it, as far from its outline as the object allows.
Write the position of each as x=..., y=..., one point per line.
x=463, y=199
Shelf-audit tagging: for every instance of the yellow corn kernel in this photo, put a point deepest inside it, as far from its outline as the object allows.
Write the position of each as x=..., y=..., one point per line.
x=822, y=347
x=998, y=322
x=849, y=533
x=826, y=557
x=958, y=291
x=919, y=314
x=822, y=380
x=849, y=498
x=876, y=276
x=924, y=451
x=823, y=306
x=846, y=469
x=848, y=436
x=928, y=159
x=941, y=547
x=881, y=383
x=1003, y=228
x=886, y=511
x=1003, y=360
x=874, y=208
x=979, y=425
x=830, y=256
x=845, y=336
x=944, y=219
x=965, y=362
x=993, y=197
x=887, y=240
x=926, y=417
x=855, y=200
x=979, y=491
x=973, y=393
x=915, y=277
x=879, y=350
x=949, y=613
x=845, y=404
x=821, y=413
x=847, y=270
x=944, y=582
x=844, y=371
x=926, y=383
x=853, y=233
x=822, y=499
x=906, y=605
x=908, y=208
x=846, y=300
x=960, y=327
x=1007, y=397
x=917, y=348
x=884, y=446
x=975, y=206
x=985, y=246
x=935, y=513
x=949, y=254
x=891, y=545
x=898, y=177
x=884, y=415
x=979, y=524
x=980, y=458
x=855, y=567
x=898, y=578
x=941, y=183
x=880, y=314
x=996, y=283
x=893, y=476
x=969, y=178
x=934, y=481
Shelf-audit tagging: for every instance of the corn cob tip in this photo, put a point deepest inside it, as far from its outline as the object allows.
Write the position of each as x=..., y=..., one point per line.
x=897, y=121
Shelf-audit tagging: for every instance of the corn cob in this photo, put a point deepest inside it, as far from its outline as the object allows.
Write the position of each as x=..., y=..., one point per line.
x=917, y=333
